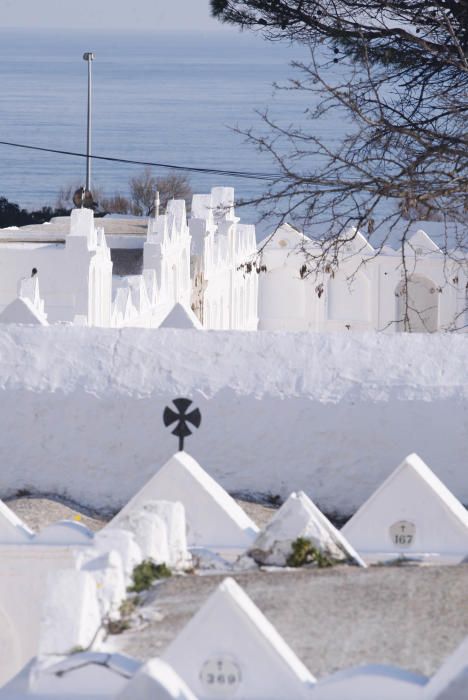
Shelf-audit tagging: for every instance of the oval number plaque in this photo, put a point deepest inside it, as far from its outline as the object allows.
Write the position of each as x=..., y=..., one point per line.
x=402, y=534
x=220, y=677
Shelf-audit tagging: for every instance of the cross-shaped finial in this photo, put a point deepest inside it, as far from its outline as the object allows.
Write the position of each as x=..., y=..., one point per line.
x=182, y=429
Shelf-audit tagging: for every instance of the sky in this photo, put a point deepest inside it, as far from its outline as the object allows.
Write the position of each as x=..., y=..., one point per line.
x=157, y=15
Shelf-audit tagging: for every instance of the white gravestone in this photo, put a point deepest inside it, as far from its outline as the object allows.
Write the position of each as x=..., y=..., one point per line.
x=412, y=514
x=229, y=649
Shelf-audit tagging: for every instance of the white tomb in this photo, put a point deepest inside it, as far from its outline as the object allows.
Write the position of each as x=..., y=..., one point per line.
x=63, y=564
x=28, y=307
x=358, y=287
x=300, y=517
x=108, y=572
x=373, y=682
x=229, y=649
x=90, y=675
x=159, y=528
x=156, y=679
x=173, y=516
x=21, y=311
x=150, y=534
x=214, y=520
x=71, y=616
x=411, y=515
x=451, y=680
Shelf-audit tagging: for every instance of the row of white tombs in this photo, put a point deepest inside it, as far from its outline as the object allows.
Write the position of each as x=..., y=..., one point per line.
x=60, y=587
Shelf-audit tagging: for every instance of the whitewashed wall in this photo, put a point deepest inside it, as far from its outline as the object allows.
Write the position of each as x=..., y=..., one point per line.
x=366, y=292
x=332, y=414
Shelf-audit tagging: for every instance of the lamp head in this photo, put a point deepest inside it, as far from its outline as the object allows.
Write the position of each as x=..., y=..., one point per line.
x=88, y=56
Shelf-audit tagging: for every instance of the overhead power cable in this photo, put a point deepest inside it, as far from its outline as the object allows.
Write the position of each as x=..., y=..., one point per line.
x=169, y=166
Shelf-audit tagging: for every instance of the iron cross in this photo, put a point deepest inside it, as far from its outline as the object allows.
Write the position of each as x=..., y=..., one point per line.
x=182, y=418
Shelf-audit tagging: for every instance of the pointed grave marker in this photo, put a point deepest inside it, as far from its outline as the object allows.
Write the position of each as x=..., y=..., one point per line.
x=299, y=517
x=214, y=520
x=412, y=514
x=180, y=317
x=230, y=650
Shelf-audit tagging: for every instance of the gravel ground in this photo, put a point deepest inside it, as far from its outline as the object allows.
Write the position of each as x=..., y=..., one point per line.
x=40, y=511
x=411, y=616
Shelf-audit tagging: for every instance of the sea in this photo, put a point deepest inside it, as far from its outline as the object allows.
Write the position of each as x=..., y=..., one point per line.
x=170, y=98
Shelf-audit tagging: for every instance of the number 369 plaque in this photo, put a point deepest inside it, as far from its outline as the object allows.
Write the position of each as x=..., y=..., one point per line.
x=402, y=534
x=220, y=677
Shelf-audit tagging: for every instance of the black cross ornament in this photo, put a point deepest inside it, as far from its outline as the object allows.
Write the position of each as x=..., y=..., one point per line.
x=183, y=418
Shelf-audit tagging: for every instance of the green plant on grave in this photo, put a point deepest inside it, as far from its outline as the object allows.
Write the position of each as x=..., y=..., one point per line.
x=77, y=650
x=303, y=552
x=146, y=573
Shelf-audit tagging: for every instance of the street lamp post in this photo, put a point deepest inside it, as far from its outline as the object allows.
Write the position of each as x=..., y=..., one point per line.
x=89, y=57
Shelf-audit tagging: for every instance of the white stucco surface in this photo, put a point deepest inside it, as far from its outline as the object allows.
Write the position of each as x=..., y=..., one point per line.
x=328, y=414
x=156, y=679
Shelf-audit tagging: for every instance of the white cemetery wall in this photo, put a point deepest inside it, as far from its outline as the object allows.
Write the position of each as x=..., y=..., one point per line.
x=330, y=414
x=364, y=293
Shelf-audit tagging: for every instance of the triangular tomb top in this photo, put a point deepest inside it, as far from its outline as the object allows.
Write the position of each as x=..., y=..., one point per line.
x=300, y=517
x=22, y=311
x=411, y=513
x=180, y=317
x=230, y=643
x=214, y=520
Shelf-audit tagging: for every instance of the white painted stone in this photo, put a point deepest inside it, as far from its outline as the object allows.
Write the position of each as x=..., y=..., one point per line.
x=90, y=675
x=173, y=515
x=450, y=682
x=150, y=534
x=214, y=520
x=70, y=613
x=107, y=571
x=229, y=633
x=156, y=679
x=30, y=564
x=123, y=541
x=371, y=682
x=300, y=517
x=412, y=499
x=180, y=317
